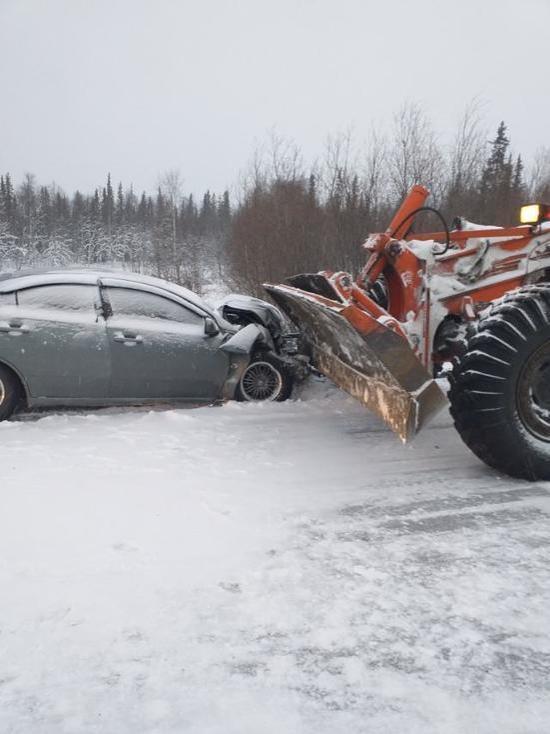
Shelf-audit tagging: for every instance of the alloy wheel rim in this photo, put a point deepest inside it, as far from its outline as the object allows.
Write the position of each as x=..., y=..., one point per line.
x=534, y=394
x=261, y=381
x=2, y=392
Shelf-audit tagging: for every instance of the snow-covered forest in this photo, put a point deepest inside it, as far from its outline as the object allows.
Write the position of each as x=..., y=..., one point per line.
x=283, y=216
x=168, y=233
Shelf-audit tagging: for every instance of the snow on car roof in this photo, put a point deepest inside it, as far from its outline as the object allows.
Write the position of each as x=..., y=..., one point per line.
x=27, y=279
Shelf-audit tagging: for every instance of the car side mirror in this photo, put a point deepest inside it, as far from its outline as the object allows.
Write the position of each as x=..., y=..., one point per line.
x=210, y=327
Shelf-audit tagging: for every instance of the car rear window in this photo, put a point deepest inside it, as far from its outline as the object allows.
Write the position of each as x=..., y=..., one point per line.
x=65, y=297
x=138, y=303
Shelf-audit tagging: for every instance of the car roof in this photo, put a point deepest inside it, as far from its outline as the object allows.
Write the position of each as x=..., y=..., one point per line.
x=10, y=282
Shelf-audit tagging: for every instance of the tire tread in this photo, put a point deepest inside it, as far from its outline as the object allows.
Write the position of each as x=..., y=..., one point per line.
x=481, y=390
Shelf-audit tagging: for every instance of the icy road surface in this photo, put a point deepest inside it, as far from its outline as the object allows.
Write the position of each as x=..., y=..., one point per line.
x=266, y=569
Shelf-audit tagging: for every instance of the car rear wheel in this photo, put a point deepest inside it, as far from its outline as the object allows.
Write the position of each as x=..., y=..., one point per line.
x=10, y=393
x=265, y=379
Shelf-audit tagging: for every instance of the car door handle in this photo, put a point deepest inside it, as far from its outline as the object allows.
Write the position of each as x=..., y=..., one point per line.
x=128, y=338
x=14, y=327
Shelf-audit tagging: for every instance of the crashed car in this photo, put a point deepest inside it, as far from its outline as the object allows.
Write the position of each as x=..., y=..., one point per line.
x=97, y=338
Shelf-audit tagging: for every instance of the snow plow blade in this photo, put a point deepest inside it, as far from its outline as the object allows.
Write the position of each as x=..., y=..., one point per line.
x=364, y=357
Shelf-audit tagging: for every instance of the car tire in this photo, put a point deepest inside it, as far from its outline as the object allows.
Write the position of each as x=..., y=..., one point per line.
x=266, y=379
x=10, y=393
x=500, y=389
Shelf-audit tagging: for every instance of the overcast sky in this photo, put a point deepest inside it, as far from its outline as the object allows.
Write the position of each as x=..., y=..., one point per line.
x=137, y=87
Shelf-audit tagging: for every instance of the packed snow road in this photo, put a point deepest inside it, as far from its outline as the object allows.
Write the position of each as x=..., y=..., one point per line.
x=259, y=569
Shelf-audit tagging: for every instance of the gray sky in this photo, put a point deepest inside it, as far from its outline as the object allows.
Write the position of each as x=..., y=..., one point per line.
x=136, y=87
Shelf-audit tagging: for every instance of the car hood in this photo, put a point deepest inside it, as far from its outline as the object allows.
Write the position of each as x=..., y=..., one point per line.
x=267, y=314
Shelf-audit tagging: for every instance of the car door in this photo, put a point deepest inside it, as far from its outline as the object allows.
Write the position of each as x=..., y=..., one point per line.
x=57, y=340
x=159, y=348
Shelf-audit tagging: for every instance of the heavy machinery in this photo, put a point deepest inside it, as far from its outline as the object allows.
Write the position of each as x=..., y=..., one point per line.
x=473, y=302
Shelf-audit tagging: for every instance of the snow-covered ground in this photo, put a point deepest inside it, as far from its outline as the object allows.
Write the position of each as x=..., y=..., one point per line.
x=266, y=569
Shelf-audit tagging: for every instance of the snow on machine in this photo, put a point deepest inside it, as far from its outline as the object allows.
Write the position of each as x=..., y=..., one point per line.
x=476, y=298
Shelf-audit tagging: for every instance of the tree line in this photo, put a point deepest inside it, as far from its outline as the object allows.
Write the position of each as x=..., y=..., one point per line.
x=295, y=219
x=284, y=216
x=168, y=234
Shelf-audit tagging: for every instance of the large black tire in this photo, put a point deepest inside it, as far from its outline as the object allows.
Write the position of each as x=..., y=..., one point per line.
x=277, y=376
x=500, y=389
x=10, y=393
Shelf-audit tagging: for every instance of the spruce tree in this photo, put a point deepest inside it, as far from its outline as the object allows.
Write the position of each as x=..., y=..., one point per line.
x=224, y=210
x=108, y=206
x=9, y=201
x=119, y=209
x=518, y=184
x=496, y=185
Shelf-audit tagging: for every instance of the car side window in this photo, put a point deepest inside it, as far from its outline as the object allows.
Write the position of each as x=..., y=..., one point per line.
x=63, y=297
x=141, y=304
x=7, y=299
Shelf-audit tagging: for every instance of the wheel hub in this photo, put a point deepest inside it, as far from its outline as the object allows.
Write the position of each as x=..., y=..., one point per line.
x=261, y=381
x=534, y=394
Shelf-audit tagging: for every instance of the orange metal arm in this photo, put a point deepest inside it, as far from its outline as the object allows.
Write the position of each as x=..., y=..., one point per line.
x=402, y=219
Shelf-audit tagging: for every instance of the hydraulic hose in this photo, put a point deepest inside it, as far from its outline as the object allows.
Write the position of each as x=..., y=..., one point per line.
x=438, y=215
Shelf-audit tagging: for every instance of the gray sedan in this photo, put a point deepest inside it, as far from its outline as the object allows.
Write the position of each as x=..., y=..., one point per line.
x=98, y=338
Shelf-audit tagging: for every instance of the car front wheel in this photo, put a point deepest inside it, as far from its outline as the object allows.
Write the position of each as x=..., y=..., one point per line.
x=265, y=379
